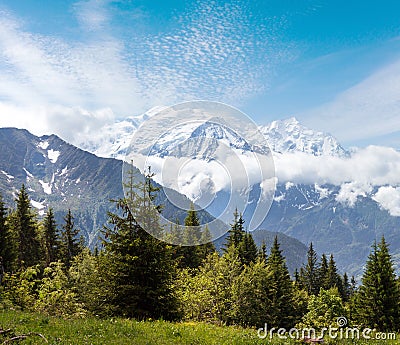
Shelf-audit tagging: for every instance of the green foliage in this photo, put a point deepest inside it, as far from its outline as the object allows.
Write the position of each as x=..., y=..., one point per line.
x=323, y=273
x=281, y=312
x=7, y=250
x=20, y=288
x=207, y=295
x=207, y=247
x=252, y=295
x=70, y=244
x=300, y=303
x=324, y=310
x=89, y=278
x=55, y=294
x=236, y=232
x=310, y=274
x=138, y=276
x=49, y=239
x=24, y=226
x=377, y=301
x=139, y=269
x=119, y=331
x=190, y=256
x=248, y=250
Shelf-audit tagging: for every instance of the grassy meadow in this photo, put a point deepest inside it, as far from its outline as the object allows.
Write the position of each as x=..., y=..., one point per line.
x=124, y=331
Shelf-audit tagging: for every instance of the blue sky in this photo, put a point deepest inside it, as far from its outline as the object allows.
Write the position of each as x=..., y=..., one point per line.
x=69, y=66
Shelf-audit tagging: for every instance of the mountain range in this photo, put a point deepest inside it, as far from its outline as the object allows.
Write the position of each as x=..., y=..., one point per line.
x=316, y=200
x=62, y=176
x=342, y=218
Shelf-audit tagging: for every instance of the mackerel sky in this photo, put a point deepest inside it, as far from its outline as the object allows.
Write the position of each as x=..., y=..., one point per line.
x=68, y=66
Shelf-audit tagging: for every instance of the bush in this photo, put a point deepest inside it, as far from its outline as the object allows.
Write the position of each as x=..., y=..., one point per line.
x=55, y=296
x=20, y=289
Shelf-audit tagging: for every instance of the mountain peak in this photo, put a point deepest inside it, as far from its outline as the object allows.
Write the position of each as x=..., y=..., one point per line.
x=289, y=135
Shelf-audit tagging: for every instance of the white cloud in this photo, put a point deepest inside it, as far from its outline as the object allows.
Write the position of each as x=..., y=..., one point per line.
x=373, y=165
x=388, y=198
x=349, y=192
x=92, y=14
x=366, y=110
x=357, y=175
x=50, y=84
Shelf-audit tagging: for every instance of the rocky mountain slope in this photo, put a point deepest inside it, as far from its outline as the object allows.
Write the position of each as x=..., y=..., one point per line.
x=63, y=176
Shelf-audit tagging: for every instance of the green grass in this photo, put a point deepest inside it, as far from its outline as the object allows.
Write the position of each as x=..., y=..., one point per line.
x=122, y=331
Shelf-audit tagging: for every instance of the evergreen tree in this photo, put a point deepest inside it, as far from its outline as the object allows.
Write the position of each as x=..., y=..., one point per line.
x=353, y=286
x=207, y=247
x=376, y=303
x=7, y=253
x=346, y=288
x=262, y=254
x=252, y=295
x=297, y=278
x=323, y=273
x=25, y=228
x=140, y=267
x=281, y=312
x=70, y=244
x=333, y=279
x=310, y=273
x=236, y=233
x=247, y=249
x=191, y=238
x=50, y=241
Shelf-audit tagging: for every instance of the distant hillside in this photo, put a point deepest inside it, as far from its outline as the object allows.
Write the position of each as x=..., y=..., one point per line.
x=294, y=251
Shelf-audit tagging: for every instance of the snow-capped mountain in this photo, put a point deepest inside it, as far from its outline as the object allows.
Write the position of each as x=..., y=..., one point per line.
x=338, y=199
x=342, y=216
x=281, y=136
x=113, y=140
x=289, y=136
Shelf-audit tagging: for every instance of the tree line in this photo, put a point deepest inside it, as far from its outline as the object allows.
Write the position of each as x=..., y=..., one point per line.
x=49, y=269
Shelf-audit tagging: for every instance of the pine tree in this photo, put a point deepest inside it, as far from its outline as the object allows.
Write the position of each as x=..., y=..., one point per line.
x=333, y=279
x=191, y=240
x=140, y=267
x=310, y=273
x=323, y=273
x=25, y=228
x=376, y=303
x=281, y=312
x=247, y=249
x=353, y=286
x=207, y=247
x=346, y=288
x=70, y=244
x=262, y=254
x=7, y=250
x=297, y=278
x=50, y=238
x=236, y=233
x=252, y=295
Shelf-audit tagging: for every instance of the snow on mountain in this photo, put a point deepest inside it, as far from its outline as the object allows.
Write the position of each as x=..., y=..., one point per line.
x=53, y=155
x=113, y=140
x=290, y=136
x=281, y=135
x=301, y=155
x=194, y=138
